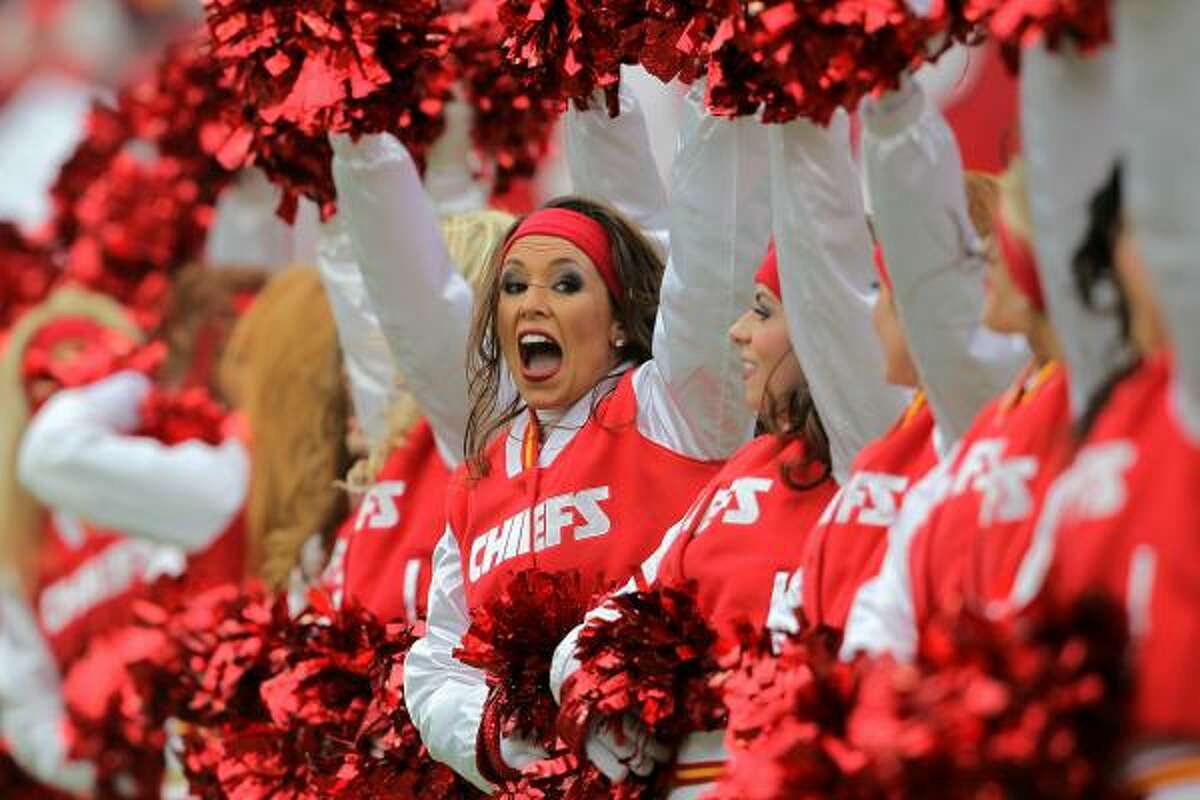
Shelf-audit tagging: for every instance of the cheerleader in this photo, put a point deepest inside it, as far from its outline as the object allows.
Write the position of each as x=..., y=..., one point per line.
x=930, y=293
x=808, y=356
x=963, y=533
x=571, y=312
x=45, y=618
x=381, y=556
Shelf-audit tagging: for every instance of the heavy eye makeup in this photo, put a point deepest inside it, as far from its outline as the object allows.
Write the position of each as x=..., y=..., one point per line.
x=761, y=309
x=566, y=279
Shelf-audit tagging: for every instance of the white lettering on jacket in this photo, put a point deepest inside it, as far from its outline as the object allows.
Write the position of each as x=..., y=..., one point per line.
x=786, y=596
x=736, y=504
x=107, y=575
x=380, y=507
x=577, y=515
x=1003, y=483
x=873, y=496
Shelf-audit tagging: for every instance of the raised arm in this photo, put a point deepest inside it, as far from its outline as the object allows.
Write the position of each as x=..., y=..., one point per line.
x=690, y=395
x=365, y=353
x=826, y=276
x=423, y=304
x=935, y=258
x=78, y=456
x=1162, y=189
x=1069, y=129
x=610, y=159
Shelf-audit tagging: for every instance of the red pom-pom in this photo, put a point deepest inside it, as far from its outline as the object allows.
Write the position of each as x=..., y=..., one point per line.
x=512, y=638
x=788, y=707
x=808, y=59
x=1016, y=24
x=27, y=272
x=1031, y=709
x=567, y=51
x=652, y=660
x=106, y=726
x=174, y=417
x=304, y=69
x=512, y=126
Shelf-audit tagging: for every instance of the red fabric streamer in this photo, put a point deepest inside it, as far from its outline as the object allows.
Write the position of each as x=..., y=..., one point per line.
x=301, y=70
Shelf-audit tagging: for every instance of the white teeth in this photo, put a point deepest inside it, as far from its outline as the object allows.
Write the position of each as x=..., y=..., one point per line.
x=536, y=338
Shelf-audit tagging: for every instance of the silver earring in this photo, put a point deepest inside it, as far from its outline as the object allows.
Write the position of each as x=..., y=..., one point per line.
x=619, y=343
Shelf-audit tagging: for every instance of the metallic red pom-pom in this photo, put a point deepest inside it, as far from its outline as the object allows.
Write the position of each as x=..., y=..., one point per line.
x=27, y=272
x=511, y=126
x=301, y=70
x=174, y=417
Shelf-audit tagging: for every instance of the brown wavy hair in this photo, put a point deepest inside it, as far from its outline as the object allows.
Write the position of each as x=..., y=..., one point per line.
x=640, y=269
x=283, y=370
x=803, y=423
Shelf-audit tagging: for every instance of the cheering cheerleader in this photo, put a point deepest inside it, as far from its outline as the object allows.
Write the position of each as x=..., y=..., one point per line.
x=1119, y=521
x=46, y=616
x=808, y=356
x=623, y=403
x=929, y=299
x=963, y=534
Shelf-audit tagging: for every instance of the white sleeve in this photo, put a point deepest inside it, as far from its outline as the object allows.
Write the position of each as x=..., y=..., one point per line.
x=365, y=353
x=1159, y=103
x=690, y=396
x=882, y=618
x=1069, y=130
x=423, y=304
x=445, y=697
x=610, y=159
x=935, y=258
x=77, y=457
x=826, y=276
x=31, y=704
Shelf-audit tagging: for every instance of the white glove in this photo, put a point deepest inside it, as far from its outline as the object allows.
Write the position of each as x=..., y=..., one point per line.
x=634, y=751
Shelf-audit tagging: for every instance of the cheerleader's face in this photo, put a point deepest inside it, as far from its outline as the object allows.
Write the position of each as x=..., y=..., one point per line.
x=770, y=369
x=1005, y=308
x=898, y=364
x=555, y=322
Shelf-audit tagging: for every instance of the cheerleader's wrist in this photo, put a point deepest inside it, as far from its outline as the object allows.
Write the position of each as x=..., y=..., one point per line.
x=489, y=756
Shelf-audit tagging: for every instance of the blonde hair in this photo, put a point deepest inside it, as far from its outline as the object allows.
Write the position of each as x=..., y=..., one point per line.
x=983, y=197
x=1013, y=204
x=282, y=368
x=470, y=238
x=22, y=515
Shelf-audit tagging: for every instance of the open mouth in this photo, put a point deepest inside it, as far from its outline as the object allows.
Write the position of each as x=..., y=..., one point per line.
x=541, y=356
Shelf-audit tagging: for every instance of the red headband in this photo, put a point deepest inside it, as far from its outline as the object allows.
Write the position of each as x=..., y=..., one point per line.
x=881, y=268
x=580, y=230
x=768, y=271
x=1020, y=264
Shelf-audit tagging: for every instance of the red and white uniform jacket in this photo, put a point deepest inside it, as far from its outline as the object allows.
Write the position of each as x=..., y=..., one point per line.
x=739, y=545
x=381, y=558
x=1122, y=520
x=178, y=509
x=683, y=410
x=847, y=545
x=964, y=531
